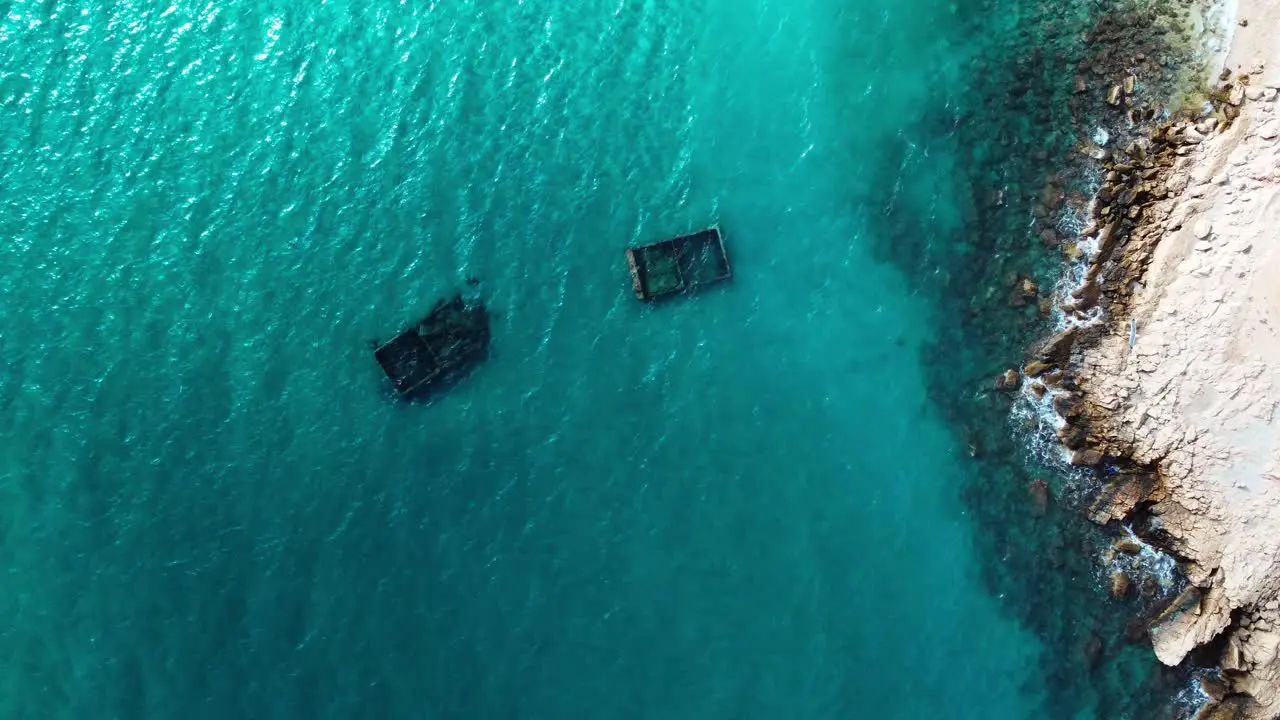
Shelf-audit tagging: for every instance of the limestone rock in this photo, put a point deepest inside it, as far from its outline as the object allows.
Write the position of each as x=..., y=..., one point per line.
x=1120, y=495
x=1232, y=659
x=1191, y=620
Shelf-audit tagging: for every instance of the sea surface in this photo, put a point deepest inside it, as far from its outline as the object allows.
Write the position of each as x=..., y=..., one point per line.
x=737, y=504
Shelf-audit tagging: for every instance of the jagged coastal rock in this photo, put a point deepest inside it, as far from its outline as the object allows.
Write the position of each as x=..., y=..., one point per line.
x=1172, y=363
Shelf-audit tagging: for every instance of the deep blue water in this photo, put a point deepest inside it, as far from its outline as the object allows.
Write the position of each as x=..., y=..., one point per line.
x=738, y=504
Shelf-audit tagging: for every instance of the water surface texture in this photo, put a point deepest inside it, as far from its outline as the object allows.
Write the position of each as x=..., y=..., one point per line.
x=736, y=505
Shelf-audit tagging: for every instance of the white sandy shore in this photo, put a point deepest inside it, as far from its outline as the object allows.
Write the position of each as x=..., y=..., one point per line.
x=1198, y=392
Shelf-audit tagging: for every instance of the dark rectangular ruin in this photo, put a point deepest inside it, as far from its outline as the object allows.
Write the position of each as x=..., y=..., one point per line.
x=678, y=265
x=443, y=346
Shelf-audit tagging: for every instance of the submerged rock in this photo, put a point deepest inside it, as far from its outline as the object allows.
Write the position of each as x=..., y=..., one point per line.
x=1025, y=291
x=1091, y=651
x=1039, y=491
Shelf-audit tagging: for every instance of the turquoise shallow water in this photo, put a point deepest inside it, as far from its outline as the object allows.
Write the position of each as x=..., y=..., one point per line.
x=740, y=504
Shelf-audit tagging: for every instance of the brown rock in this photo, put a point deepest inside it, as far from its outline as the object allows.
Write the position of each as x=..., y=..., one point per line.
x=1035, y=368
x=1231, y=708
x=1128, y=546
x=1130, y=84
x=1108, y=238
x=1068, y=405
x=1057, y=349
x=1023, y=293
x=1114, y=95
x=1072, y=437
x=1120, y=495
x=1009, y=380
x=1038, y=389
x=1233, y=656
x=1086, y=457
x=1214, y=687
x=1086, y=296
x=1120, y=585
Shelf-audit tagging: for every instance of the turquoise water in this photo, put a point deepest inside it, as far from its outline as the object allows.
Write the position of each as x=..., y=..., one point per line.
x=739, y=504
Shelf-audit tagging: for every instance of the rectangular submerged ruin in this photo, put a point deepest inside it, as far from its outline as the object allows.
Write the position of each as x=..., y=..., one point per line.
x=446, y=344
x=678, y=265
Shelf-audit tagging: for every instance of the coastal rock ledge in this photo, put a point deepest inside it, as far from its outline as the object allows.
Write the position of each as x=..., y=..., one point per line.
x=1181, y=378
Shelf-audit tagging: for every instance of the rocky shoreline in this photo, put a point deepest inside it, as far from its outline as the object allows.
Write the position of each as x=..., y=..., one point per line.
x=1153, y=163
